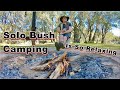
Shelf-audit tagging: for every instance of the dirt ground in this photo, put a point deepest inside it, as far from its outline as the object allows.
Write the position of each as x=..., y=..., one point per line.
x=19, y=59
x=115, y=64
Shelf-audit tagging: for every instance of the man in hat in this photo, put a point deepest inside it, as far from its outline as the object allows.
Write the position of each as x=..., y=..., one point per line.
x=64, y=29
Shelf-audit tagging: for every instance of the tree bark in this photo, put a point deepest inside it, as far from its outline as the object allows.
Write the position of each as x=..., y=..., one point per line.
x=93, y=39
x=33, y=25
x=104, y=31
x=103, y=39
x=76, y=33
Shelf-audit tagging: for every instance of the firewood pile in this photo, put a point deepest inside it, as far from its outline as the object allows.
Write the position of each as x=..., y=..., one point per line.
x=57, y=66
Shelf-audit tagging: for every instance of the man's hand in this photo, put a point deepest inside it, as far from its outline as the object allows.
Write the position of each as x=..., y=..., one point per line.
x=68, y=31
x=62, y=31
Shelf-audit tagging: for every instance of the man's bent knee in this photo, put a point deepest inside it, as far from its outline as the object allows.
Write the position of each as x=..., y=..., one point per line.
x=65, y=38
x=61, y=38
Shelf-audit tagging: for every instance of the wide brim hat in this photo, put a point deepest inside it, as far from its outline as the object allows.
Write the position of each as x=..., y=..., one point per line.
x=63, y=17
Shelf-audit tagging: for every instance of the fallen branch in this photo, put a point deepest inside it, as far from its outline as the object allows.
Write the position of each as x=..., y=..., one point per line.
x=60, y=69
x=57, y=71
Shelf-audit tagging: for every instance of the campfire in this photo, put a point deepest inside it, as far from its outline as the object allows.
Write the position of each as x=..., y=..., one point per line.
x=57, y=65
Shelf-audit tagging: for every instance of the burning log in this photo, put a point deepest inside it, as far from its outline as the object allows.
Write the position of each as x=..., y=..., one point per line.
x=56, y=73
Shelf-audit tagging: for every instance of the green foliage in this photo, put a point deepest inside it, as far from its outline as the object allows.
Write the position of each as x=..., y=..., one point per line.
x=88, y=26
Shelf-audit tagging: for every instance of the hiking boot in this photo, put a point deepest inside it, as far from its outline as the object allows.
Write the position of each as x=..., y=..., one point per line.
x=59, y=45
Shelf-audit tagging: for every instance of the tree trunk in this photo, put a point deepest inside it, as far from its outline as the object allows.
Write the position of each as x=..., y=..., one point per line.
x=93, y=39
x=76, y=33
x=104, y=31
x=89, y=31
x=103, y=36
x=103, y=39
x=76, y=36
x=33, y=25
x=90, y=35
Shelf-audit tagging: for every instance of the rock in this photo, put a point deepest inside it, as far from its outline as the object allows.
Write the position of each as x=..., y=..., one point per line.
x=75, y=66
x=72, y=73
x=79, y=70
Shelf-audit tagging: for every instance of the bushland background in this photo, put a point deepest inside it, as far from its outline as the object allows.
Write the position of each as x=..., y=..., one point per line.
x=93, y=28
